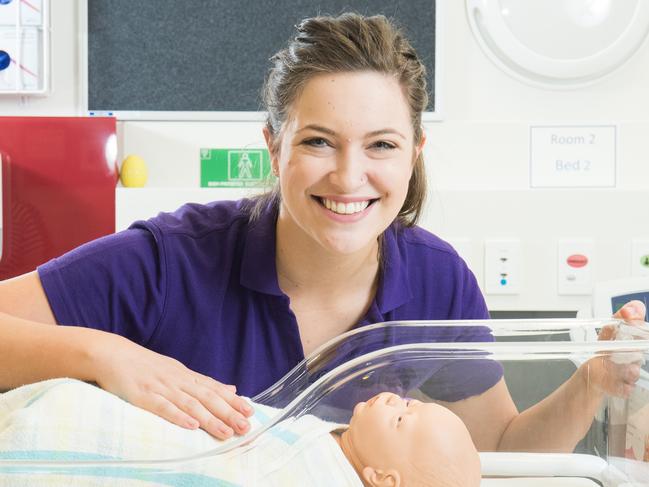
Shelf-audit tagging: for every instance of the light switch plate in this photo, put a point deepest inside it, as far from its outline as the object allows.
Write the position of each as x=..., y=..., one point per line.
x=574, y=267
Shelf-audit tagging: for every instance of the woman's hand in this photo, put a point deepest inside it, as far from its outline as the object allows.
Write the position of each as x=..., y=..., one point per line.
x=633, y=312
x=167, y=388
x=616, y=374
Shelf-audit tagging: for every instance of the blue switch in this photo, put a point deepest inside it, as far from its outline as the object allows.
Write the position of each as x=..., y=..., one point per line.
x=5, y=59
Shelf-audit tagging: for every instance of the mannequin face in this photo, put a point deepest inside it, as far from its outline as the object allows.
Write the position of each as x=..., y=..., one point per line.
x=392, y=441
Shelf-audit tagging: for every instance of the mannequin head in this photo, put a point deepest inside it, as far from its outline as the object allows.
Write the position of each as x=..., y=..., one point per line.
x=394, y=442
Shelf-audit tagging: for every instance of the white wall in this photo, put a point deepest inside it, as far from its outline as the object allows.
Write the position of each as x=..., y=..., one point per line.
x=478, y=158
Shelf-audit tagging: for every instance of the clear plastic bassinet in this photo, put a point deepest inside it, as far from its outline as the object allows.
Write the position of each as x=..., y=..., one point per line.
x=431, y=361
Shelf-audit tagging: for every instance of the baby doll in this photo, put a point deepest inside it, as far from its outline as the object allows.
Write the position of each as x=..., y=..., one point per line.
x=398, y=442
x=389, y=442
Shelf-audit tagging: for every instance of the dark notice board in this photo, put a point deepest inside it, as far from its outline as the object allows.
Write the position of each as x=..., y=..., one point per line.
x=212, y=55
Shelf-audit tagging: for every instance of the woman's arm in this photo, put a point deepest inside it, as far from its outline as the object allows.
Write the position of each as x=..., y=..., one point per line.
x=24, y=297
x=31, y=350
x=486, y=415
x=555, y=424
x=558, y=422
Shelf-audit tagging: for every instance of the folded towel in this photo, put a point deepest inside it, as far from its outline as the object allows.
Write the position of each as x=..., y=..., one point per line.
x=68, y=420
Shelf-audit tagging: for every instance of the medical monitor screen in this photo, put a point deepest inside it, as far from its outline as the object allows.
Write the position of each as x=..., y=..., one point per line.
x=618, y=301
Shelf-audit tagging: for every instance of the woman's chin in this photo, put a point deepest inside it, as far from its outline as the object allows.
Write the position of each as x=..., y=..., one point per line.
x=348, y=247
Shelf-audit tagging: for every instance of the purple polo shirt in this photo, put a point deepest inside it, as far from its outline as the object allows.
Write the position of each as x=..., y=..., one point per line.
x=200, y=285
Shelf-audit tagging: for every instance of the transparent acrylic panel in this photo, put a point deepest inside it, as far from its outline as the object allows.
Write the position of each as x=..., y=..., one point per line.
x=64, y=430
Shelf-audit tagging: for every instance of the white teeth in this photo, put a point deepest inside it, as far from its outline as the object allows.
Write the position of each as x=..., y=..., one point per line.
x=345, y=208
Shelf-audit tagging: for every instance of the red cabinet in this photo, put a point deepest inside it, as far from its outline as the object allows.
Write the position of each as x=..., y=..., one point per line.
x=58, y=187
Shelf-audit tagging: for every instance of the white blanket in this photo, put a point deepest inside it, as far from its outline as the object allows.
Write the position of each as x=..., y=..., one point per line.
x=65, y=420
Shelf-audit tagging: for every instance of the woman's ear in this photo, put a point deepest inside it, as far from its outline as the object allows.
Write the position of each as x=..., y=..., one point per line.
x=420, y=146
x=272, y=150
x=378, y=478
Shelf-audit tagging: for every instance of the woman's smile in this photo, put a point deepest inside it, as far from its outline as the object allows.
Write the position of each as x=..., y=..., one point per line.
x=345, y=209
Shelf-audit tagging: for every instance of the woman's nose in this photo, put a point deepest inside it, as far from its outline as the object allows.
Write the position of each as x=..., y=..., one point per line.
x=350, y=172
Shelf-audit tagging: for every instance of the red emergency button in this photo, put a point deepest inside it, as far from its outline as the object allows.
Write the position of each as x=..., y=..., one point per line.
x=577, y=260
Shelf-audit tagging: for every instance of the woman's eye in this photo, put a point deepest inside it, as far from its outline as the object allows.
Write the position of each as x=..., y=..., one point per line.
x=383, y=145
x=316, y=142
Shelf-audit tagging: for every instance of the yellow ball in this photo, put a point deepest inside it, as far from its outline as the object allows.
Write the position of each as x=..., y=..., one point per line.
x=134, y=172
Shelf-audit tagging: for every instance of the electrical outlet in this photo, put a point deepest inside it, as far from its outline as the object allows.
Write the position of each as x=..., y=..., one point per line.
x=502, y=266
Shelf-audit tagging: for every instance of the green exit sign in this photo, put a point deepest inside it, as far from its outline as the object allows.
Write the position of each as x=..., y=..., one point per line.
x=234, y=168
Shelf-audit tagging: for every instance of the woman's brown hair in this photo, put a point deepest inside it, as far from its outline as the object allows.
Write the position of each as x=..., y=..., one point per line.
x=347, y=43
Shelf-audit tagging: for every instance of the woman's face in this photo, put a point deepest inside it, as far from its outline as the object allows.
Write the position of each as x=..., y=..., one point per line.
x=344, y=162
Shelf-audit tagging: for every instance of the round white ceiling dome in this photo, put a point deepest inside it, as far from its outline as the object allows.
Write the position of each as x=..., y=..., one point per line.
x=559, y=43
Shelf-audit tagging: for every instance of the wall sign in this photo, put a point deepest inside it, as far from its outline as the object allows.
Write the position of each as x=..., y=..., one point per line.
x=578, y=156
x=234, y=168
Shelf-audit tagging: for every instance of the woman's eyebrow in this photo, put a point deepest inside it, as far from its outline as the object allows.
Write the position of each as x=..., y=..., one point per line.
x=385, y=131
x=319, y=128
x=373, y=133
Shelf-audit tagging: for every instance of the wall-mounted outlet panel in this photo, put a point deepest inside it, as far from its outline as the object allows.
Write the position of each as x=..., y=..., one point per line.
x=574, y=267
x=502, y=266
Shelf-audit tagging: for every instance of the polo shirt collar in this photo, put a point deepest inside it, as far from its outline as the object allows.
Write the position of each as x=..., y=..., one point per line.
x=258, y=270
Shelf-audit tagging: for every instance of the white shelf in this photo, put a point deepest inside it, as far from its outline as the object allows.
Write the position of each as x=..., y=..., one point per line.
x=133, y=204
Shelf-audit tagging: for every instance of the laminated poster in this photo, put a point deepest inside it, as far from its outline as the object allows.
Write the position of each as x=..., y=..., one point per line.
x=235, y=168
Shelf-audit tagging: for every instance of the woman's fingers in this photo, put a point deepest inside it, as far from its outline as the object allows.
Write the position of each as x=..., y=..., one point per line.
x=195, y=407
x=619, y=379
x=214, y=416
x=632, y=311
x=218, y=406
x=228, y=393
x=237, y=402
x=608, y=332
x=164, y=408
x=612, y=377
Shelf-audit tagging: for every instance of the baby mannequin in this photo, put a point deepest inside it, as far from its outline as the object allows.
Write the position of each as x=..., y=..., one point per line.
x=397, y=442
x=390, y=442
